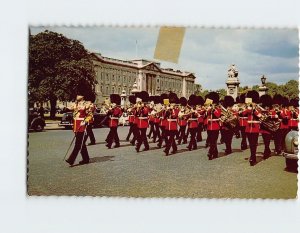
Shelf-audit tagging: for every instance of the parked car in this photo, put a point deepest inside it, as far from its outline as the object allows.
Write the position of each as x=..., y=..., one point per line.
x=100, y=120
x=35, y=121
x=291, y=151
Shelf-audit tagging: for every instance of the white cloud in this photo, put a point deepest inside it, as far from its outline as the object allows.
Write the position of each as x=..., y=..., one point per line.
x=206, y=52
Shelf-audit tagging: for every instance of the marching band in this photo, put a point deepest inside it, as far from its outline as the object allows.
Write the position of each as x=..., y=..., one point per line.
x=172, y=121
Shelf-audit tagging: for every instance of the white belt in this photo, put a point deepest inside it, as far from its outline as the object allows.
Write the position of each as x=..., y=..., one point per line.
x=171, y=119
x=243, y=117
x=294, y=119
x=253, y=121
x=143, y=118
x=213, y=119
x=114, y=118
x=193, y=119
x=80, y=118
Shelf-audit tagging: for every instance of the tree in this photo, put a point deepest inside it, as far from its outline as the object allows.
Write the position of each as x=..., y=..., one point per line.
x=59, y=68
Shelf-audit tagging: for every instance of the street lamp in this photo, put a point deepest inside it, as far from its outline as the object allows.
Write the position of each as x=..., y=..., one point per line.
x=263, y=80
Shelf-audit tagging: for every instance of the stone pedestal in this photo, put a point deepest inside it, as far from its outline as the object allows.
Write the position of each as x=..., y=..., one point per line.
x=262, y=90
x=123, y=98
x=232, y=82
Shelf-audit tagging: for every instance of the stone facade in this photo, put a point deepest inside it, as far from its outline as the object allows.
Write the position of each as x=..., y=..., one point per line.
x=115, y=75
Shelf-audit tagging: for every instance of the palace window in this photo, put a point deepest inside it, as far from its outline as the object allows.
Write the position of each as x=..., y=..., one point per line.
x=113, y=90
x=106, y=91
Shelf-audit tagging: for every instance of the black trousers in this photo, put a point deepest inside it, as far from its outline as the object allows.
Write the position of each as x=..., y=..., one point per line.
x=193, y=142
x=252, y=139
x=171, y=140
x=162, y=136
x=136, y=133
x=244, y=138
x=113, y=136
x=90, y=134
x=199, y=132
x=130, y=131
x=182, y=135
x=152, y=130
x=79, y=146
x=228, y=135
x=213, y=138
x=142, y=139
x=156, y=134
x=267, y=139
x=278, y=137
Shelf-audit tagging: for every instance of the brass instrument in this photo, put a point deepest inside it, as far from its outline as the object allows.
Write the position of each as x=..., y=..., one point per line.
x=228, y=119
x=269, y=124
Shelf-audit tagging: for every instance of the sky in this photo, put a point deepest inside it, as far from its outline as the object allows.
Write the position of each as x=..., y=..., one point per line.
x=207, y=52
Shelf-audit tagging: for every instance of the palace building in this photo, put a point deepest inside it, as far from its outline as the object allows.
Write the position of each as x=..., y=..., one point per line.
x=116, y=76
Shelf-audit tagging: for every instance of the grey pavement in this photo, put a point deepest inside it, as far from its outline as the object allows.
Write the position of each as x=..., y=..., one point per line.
x=123, y=172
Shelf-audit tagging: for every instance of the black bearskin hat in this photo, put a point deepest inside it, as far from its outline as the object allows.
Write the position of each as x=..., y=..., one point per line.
x=214, y=96
x=285, y=101
x=228, y=101
x=115, y=98
x=199, y=100
x=294, y=102
x=253, y=95
x=265, y=100
x=132, y=99
x=277, y=99
x=183, y=101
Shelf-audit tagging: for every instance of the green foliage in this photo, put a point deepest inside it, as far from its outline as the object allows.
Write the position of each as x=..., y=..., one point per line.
x=289, y=89
x=59, y=68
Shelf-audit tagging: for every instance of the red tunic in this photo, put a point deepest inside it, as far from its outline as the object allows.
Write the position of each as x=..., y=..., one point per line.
x=201, y=113
x=143, y=118
x=285, y=116
x=253, y=124
x=213, y=121
x=193, y=121
x=172, y=120
x=294, y=120
x=131, y=118
x=114, y=115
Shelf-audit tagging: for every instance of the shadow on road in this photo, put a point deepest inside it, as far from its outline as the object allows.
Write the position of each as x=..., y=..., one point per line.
x=102, y=159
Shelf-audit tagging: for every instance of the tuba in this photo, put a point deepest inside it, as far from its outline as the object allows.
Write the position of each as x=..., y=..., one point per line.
x=228, y=119
x=271, y=125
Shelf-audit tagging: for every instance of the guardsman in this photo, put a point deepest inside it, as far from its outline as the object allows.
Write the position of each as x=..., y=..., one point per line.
x=114, y=114
x=284, y=116
x=82, y=116
x=182, y=122
x=242, y=125
x=228, y=131
x=162, y=126
x=151, y=120
x=193, y=126
x=156, y=123
x=89, y=127
x=294, y=110
x=201, y=113
x=213, y=127
x=130, y=121
x=171, y=130
x=142, y=113
x=253, y=124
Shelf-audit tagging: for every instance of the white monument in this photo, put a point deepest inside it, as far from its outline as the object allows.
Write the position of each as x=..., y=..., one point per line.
x=233, y=81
